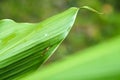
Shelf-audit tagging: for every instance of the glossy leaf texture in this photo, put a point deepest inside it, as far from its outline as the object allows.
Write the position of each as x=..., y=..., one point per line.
x=101, y=62
x=25, y=46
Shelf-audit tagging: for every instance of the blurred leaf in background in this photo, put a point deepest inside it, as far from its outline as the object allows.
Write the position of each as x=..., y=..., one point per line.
x=100, y=62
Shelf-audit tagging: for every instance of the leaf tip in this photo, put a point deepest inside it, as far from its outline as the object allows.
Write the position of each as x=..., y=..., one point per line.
x=91, y=9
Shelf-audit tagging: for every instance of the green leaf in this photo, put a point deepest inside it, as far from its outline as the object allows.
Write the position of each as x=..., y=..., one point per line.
x=101, y=62
x=91, y=9
x=25, y=46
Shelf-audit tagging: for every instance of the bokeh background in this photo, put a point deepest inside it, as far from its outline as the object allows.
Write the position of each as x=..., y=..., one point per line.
x=89, y=29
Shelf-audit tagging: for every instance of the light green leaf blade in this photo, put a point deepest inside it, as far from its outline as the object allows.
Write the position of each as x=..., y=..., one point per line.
x=101, y=62
x=24, y=46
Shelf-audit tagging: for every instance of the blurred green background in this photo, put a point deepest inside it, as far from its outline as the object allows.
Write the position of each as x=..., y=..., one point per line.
x=89, y=28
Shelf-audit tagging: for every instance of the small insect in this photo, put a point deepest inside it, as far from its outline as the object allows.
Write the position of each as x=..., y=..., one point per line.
x=43, y=53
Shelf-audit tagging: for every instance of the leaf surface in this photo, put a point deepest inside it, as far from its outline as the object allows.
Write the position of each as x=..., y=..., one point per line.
x=25, y=46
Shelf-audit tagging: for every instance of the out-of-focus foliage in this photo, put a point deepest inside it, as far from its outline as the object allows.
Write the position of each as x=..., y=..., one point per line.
x=89, y=29
x=100, y=62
